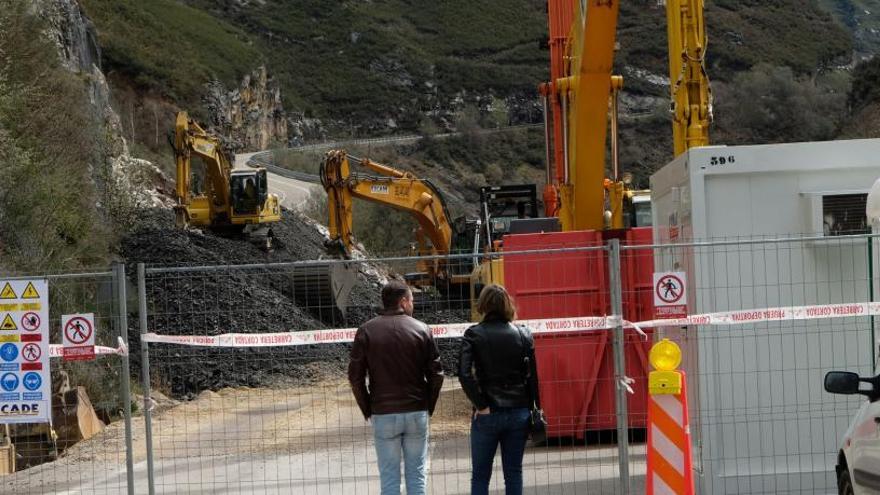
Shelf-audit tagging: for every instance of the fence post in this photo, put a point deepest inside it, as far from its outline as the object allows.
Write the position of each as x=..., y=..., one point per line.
x=145, y=371
x=125, y=372
x=615, y=290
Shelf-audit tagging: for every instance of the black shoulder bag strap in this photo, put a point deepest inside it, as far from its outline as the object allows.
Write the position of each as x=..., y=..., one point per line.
x=527, y=362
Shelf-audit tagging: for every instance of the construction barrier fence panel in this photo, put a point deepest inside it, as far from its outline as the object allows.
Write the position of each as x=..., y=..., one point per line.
x=761, y=421
x=84, y=449
x=242, y=406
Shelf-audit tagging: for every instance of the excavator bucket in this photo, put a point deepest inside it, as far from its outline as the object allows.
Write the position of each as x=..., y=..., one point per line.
x=324, y=287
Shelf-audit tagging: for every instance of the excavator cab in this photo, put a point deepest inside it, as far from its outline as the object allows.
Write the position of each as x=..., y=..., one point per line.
x=637, y=209
x=511, y=210
x=249, y=190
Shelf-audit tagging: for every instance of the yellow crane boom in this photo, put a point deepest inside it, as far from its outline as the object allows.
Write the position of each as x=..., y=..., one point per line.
x=579, y=96
x=584, y=95
x=689, y=83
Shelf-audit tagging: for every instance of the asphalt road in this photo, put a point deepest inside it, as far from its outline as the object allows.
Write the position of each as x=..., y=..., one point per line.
x=292, y=193
x=302, y=440
x=351, y=470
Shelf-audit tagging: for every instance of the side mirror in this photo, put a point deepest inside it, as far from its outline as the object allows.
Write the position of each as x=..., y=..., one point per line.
x=842, y=382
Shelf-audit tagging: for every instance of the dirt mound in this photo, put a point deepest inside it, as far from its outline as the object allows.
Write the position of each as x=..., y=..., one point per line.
x=236, y=299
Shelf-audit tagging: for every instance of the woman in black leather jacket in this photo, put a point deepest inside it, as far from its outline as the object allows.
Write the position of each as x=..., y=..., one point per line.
x=497, y=372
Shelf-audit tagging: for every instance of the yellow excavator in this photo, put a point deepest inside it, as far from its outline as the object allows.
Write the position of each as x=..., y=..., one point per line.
x=503, y=210
x=237, y=203
x=401, y=190
x=581, y=91
x=234, y=202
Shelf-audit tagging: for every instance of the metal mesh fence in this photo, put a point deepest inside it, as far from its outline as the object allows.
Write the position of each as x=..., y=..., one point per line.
x=761, y=421
x=283, y=419
x=253, y=396
x=88, y=401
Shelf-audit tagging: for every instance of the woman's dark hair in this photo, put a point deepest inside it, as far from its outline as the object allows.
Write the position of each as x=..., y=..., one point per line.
x=496, y=304
x=392, y=293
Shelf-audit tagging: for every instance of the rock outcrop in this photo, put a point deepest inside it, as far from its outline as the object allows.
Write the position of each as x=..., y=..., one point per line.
x=127, y=182
x=251, y=116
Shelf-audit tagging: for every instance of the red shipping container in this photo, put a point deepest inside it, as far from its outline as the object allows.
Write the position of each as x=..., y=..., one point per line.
x=576, y=370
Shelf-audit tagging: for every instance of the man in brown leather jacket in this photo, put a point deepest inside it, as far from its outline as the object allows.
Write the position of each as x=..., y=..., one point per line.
x=398, y=354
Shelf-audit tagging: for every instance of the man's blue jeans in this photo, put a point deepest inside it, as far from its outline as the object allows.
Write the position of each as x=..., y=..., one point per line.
x=510, y=428
x=406, y=433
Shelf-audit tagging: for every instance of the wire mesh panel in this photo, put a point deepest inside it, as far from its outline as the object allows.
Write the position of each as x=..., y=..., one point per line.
x=251, y=412
x=760, y=419
x=83, y=449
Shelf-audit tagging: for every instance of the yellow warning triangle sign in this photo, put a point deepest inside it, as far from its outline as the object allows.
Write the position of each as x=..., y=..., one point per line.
x=7, y=292
x=30, y=292
x=8, y=323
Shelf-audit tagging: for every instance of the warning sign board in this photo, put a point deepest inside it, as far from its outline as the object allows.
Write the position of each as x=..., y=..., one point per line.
x=30, y=292
x=8, y=292
x=8, y=323
x=31, y=352
x=25, y=381
x=30, y=321
x=670, y=294
x=78, y=337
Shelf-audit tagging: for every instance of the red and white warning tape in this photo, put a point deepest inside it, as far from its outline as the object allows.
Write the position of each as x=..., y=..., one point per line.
x=57, y=350
x=541, y=326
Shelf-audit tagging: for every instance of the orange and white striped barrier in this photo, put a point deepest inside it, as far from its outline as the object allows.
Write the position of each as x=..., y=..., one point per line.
x=670, y=464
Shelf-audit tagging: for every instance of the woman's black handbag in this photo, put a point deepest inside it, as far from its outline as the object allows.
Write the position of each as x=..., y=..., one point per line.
x=537, y=424
x=537, y=421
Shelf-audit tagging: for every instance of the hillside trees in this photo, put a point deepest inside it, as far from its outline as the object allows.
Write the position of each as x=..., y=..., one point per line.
x=771, y=104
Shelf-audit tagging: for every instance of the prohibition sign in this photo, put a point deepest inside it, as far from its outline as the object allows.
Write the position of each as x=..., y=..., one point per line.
x=78, y=330
x=669, y=289
x=30, y=321
x=31, y=352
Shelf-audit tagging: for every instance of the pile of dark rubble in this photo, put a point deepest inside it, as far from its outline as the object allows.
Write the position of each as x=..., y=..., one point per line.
x=235, y=299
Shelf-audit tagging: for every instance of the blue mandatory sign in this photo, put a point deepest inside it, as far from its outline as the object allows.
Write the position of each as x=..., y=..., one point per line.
x=31, y=381
x=9, y=382
x=8, y=352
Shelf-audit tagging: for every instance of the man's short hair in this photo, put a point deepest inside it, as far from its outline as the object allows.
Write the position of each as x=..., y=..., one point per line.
x=392, y=293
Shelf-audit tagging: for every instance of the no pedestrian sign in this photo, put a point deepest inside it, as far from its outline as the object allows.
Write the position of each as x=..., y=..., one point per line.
x=670, y=294
x=25, y=386
x=78, y=336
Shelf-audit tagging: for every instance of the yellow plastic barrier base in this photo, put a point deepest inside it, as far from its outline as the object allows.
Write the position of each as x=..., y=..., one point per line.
x=664, y=383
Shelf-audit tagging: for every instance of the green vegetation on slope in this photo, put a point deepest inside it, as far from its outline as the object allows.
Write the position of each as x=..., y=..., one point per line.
x=169, y=48
x=359, y=65
x=742, y=33
x=862, y=18
x=354, y=61
x=49, y=142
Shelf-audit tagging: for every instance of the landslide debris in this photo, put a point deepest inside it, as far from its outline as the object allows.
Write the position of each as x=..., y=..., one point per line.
x=230, y=298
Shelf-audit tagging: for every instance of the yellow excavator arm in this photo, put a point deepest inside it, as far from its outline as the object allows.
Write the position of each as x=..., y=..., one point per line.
x=689, y=83
x=190, y=139
x=579, y=95
x=584, y=93
x=391, y=187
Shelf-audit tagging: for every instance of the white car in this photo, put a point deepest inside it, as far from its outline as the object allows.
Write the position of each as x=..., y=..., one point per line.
x=858, y=463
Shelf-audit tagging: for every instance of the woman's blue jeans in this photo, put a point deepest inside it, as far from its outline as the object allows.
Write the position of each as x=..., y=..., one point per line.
x=508, y=427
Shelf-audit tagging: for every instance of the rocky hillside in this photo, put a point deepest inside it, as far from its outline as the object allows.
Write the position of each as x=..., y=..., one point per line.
x=862, y=19
x=398, y=66
x=67, y=178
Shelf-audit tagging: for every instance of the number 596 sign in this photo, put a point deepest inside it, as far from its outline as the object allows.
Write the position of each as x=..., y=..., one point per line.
x=78, y=336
